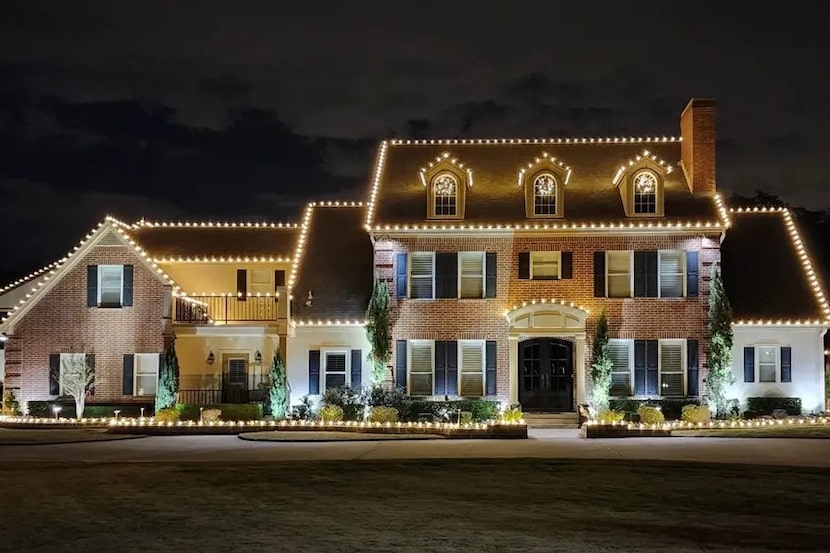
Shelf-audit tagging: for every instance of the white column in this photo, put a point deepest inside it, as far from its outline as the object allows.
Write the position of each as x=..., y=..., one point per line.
x=513, y=344
x=580, y=369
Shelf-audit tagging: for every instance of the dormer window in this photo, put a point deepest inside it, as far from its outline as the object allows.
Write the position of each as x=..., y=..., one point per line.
x=544, y=179
x=645, y=193
x=544, y=195
x=641, y=182
x=445, y=195
x=446, y=181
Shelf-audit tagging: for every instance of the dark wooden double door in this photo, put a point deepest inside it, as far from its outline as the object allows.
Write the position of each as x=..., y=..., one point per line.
x=546, y=375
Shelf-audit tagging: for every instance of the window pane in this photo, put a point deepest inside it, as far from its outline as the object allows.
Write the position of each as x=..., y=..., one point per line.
x=472, y=274
x=544, y=195
x=472, y=369
x=145, y=385
x=445, y=188
x=237, y=371
x=645, y=193
x=334, y=380
x=336, y=362
x=619, y=274
x=421, y=275
x=146, y=373
x=420, y=371
x=671, y=369
x=671, y=274
x=544, y=265
x=619, y=286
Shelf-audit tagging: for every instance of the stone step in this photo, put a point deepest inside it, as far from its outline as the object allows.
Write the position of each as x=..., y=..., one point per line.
x=551, y=420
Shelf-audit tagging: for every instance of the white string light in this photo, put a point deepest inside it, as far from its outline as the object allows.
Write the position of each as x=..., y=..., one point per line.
x=569, y=140
x=545, y=301
x=545, y=158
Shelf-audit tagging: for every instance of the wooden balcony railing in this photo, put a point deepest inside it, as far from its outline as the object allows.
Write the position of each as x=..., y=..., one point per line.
x=226, y=309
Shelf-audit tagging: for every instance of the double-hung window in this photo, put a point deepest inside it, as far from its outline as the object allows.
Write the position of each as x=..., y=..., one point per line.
x=262, y=281
x=671, y=367
x=471, y=274
x=767, y=363
x=619, y=273
x=671, y=273
x=620, y=352
x=545, y=265
x=471, y=353
x=146, y=374
x=421, y=367
x=110, y=285
x=421, y=275
x=335, y=368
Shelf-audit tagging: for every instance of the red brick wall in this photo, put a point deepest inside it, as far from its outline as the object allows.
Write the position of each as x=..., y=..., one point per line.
x=697, y=151
x=61, y=322
x=640, y=318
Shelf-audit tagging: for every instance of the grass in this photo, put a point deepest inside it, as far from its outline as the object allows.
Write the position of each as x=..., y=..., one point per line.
x=415, y=506
x=26, y=436
x=782, y=431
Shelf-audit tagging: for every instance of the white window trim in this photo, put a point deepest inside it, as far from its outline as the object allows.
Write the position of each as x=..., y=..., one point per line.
x=324, y=353
x=100, y=275
x=483, y=275
x=558, y=264
x=482, y=344
x=683, y=365
x=136, y=364
x=777, y=349
x=409, y=345
x=409, y=276
x=630, y=274
x=629, y=342
x=682, y=277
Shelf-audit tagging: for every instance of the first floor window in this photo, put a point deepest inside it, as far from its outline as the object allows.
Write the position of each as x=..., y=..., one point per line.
x=335, y=369
x=767, y=363
x=620, y=352
x=671, y=265
x=671, y=368
x=262, y=281
x=471, y=268
x=421, y=271
x=146, y=374
x=421, y=368
x=544, y=265
x=110, y=285
x=619, y=274
x=472, y=368
x=237, y=371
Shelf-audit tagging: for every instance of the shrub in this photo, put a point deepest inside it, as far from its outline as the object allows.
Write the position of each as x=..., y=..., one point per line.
x=348, y=399
x=167, y=414
x=229, y=411
x=695, y=414
x=465, y=417
x=39, y=409
x=611, y=415
x=11, y=407
x=304, y=411
x=766, y=405
x=671, y=407
x=383, y=396
x=650, y=414
x=331, y=413
x=481, y=409
x=512, y=414
x=383, y=414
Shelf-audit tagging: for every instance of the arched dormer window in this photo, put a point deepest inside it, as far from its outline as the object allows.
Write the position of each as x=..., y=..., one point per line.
x=641, y=183
x=544, y=181
x=446, y=181
x=645, y=193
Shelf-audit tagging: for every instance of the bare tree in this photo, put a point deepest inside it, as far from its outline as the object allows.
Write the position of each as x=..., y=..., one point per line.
x=77, y=379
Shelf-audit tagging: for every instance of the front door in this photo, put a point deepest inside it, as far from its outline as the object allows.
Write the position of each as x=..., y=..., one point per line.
x=546, y=375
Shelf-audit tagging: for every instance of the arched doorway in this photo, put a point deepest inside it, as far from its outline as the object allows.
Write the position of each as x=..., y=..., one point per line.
x=546, y=374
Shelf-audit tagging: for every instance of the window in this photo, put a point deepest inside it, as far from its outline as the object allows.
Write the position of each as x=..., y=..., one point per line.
x=767, y=363
x=237, y=374
x=671, y=274
x=334, y=367
x=471, y=272
x=262, y=281
x=72, y=362
x=110, y=285
x=544, y=194
x=620, y=352
x=544, y=265
x=671, y=368
x=421, y=270
x=146, y=374
x=445, y=195
x=645, y=193
x=472, y=368
x=420, y=368
x=619, y=274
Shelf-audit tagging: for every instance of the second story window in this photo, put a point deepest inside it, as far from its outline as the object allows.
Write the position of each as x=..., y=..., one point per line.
x=445, y=195
x=110, y=285
x=421, y=275
x=645, y=193
x=544, y=195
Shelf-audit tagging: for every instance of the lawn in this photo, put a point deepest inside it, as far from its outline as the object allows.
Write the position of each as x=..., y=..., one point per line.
x=414, y=506
x=27, y=436
x=777, y=431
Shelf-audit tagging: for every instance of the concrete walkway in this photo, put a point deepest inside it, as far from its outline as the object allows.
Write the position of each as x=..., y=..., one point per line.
x=553, y=444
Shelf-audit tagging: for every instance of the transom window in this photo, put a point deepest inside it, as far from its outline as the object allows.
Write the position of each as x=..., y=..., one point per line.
x=767, y=363
x=671, y=368
x=445, y=195
x=334, y=367
x=420, y=368
x=110, y=285
x=146, y=374
x=421, y=272
x=619, y=273
x=471, y=269
x=645, y=193
x=544, y=194
x=545, y=265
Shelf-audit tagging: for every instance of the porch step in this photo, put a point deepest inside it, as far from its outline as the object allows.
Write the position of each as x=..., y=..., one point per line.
x=551, y=420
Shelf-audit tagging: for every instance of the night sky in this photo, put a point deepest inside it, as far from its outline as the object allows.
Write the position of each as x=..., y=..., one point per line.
x=245, y=110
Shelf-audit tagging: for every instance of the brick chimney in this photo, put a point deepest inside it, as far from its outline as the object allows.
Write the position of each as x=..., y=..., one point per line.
x=697, y=151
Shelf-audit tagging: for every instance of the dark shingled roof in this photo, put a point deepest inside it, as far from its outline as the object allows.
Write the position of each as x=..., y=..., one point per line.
x=495, y=197
x=336, y=266
x=169, y=241
x=762, y=274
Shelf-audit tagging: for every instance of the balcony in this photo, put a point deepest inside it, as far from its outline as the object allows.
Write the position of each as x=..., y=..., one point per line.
x=226, y=309
x=212, y=389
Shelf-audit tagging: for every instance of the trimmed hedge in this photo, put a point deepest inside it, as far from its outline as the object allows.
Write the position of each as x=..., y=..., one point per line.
x=481, y=409
x=230, y=411
x=760, y=406
x=44, y=409
x=672, y=408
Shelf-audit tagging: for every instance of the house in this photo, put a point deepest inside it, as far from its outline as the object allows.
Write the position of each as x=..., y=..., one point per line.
x=500, y=255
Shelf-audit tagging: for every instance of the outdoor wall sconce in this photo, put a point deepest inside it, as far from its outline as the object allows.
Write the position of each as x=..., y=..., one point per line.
x=309, y=300
x=210, y=358
x=258, y=358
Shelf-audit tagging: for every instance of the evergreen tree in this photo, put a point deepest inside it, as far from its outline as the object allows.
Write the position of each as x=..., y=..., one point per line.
x=168, y=384
x=278, y=392
x=600, y=367
x=377, y=330
x=720, y=353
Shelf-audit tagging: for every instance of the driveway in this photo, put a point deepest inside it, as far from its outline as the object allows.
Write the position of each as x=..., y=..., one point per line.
x=542, y=444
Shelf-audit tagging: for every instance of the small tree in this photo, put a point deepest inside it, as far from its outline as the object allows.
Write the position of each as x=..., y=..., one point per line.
x=77, y=378
x=720, y=353
x=600, y=367
x=168, y=386
x=377, y=330
x=11, y=407
x=279, y=390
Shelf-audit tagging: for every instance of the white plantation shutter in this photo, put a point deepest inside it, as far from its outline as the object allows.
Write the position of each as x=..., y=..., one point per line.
x=671, y=274
x=544, y=265
x=620, y=353
x=420, y=275
x=671, y=369
x=420, y=369
x=472, y=368
x=472, y=274
x=619, y=274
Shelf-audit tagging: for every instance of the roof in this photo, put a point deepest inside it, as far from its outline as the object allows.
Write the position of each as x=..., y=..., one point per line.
x=164, y=241
x=495, y=197
x=766, y=278
x=335, y=264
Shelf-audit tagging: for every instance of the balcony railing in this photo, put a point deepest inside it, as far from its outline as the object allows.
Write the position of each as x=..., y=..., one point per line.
x=226, y=309
x=211, y=389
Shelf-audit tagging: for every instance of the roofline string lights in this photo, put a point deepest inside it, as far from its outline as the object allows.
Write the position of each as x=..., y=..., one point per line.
x=328, y=322
x=222, y=259
x=194, y=295
x=567, y=140
x=208, y=224
x=611, y=226
x=538, y=160
x=722, y=211
x=373, y=195
x=545, y=301
x=637, y=159
x=422, y=173
x=30, y=276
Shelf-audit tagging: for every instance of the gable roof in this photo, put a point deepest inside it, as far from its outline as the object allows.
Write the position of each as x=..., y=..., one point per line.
x=334, y=261
x=767, y=271
x=398, y=196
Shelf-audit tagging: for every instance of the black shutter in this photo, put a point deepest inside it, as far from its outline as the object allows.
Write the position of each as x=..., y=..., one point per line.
x=640, y=276
x=127, y=375
x=313, y=371
x=692, y=368
x=452, y=368
x=242, y=284
x=490, y=368
x=127, y=287
x=490, y=274
x=652, y=377
x=524, y=265
x=639, y=367
x=440, y=368
x=400, y=273
x=567, y=270
x=599, y=274
x=357, y=368
x=90, y=361
x=651, y=275
x=400, y=363
x=446, y=275
x=691, y=274
x=749, y=364
x=786, y=364
x=92, y=285
x=54, y=373
x=279, y=279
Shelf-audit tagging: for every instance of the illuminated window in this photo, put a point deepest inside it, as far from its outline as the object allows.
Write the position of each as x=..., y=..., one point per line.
x=671, y=273
x=421, y=371
x=445, y=195
x=544, y=195
x=421, y=275
x=471, y=269
x=671, y=367
x=544, y=265
x=110, y=285
x=620, y=352
x=619, y=273
x=335, y=369
x=767, y=363
x=146, y=374
x=645, y=193
x=472, y=367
